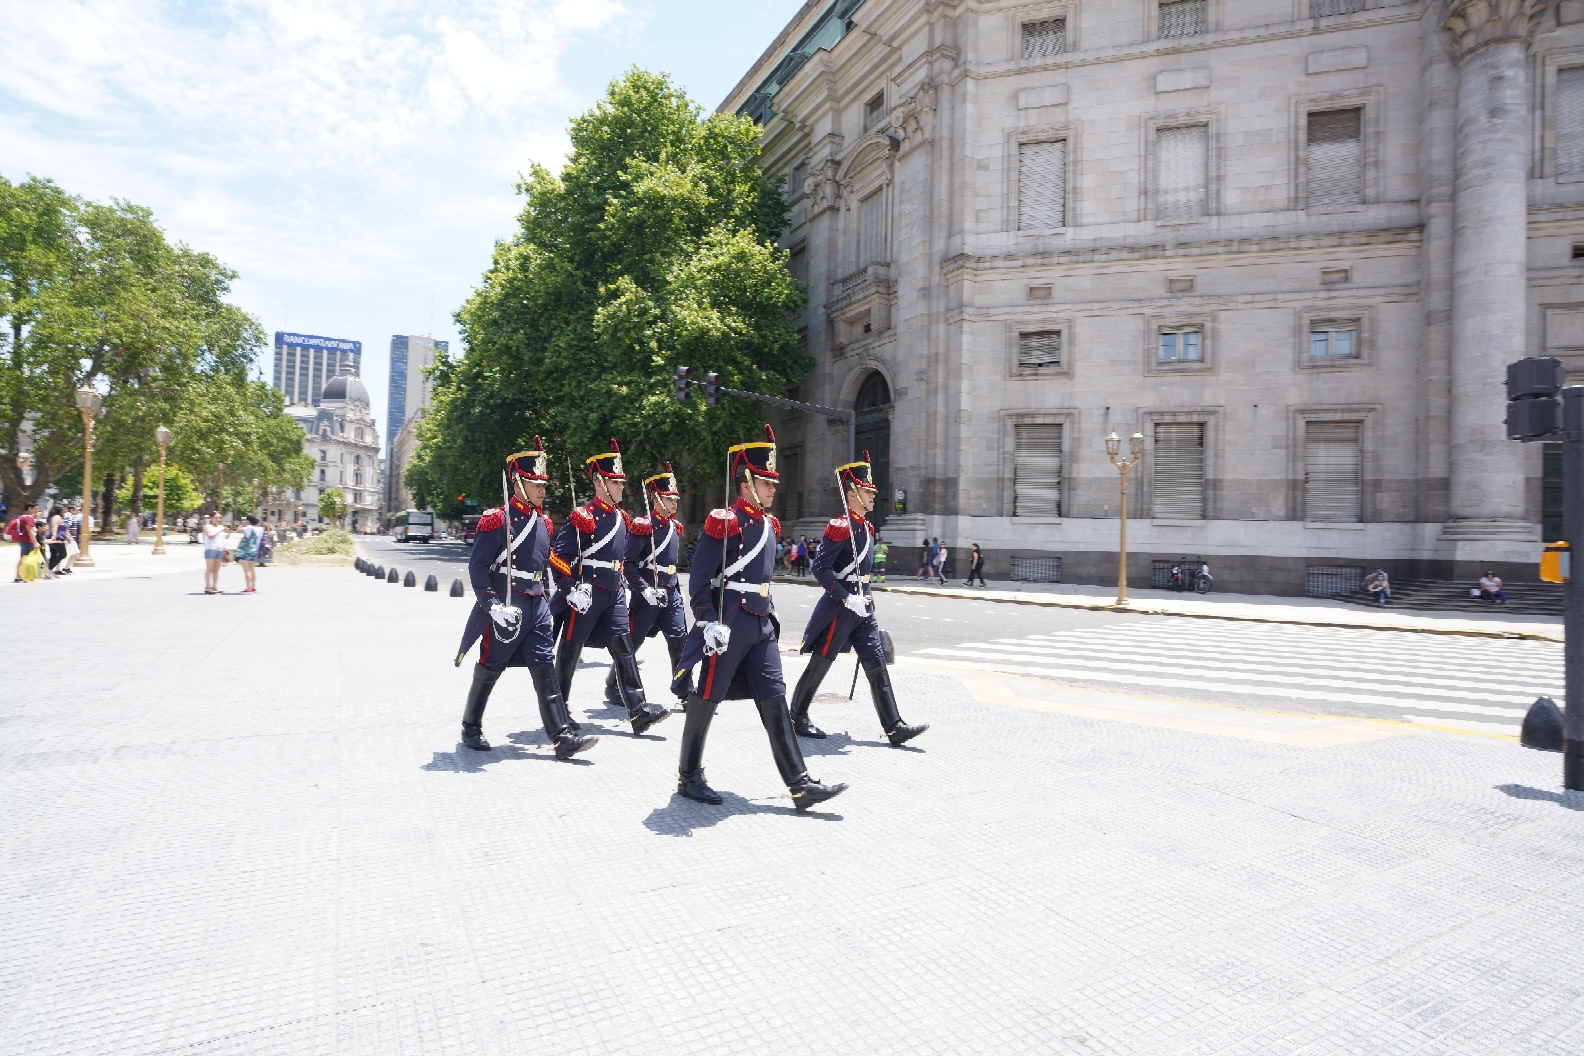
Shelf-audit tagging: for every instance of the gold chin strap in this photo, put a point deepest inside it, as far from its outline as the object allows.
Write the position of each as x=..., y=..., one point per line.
x=753, y=486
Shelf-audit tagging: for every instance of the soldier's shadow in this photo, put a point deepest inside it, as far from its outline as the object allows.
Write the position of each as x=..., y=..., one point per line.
x=616, y=715
x=466, y=761
x=683, y=816
x=837, y=742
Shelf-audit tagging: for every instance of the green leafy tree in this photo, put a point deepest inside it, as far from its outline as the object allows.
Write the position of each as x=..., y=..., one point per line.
x=243, y=424
x=654, y=247
x=181, y=494
x=332, y=505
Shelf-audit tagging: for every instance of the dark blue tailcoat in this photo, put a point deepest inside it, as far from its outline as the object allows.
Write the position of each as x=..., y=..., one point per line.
x=664, y=538
x=589, y=548
x=750, y=668
x=833, y=627
x=529, y=529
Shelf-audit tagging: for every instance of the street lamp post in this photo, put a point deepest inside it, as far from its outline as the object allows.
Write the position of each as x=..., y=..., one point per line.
x=220, y=503
x=255, y=495
x=162, y=436
x=1113, y=448
x=88, y=402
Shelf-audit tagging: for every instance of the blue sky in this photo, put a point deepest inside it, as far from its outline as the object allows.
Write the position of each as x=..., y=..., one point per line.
x=353, y=161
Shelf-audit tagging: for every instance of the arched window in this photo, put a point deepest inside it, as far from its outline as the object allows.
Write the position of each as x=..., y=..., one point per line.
x=874, y=435
x=874, y=395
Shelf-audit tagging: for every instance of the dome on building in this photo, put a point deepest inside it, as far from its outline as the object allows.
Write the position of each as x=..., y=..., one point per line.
x=346, y=387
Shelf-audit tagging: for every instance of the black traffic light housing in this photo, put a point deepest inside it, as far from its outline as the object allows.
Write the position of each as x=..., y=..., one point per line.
x=684, y=383
x=1533, y=410
x=712, y=389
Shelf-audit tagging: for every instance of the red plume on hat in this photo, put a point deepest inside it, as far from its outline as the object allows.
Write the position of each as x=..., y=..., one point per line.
x=669, y=469
x=769, y=434
x=866, y=455
x=614, y=445
x=538, y=443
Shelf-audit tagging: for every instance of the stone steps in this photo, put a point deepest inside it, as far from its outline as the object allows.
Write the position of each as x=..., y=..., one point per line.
x=1529, y=599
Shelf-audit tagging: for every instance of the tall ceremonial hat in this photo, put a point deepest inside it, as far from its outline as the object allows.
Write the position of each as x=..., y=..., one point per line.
x=531, y=464
x=608, y=465
x=759, y=458
x=662, y=483
x=860, y=473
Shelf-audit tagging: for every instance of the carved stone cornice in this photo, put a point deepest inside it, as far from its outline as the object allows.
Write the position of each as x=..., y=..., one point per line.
x=1473, y=24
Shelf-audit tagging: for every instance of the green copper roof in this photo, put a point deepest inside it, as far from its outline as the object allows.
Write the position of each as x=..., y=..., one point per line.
x=827, y=30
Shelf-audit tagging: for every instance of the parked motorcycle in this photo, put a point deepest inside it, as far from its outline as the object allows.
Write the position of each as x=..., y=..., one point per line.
x=1196, y=578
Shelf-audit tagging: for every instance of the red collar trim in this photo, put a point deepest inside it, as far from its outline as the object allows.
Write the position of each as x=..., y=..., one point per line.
x=744, y=506
x=602, y=505
x=853, y=514
x=520, y=506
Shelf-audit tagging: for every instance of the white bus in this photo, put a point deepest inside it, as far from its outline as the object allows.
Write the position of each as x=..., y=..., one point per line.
x=414, y=526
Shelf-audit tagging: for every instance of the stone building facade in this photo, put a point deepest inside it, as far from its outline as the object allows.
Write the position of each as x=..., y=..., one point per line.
x=340, y=435
x=1294, y=243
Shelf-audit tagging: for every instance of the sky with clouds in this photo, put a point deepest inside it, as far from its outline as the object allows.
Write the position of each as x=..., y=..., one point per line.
x=354, y=161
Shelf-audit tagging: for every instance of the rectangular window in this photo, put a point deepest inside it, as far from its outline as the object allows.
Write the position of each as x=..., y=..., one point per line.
x=1044, y=38
x=1184, y=18
x=1042, y=186
x=795, y=181
x=321, y=475
x=797, y=265
x=871, y=228
x=1179, y=468
x=1333, y=465
x=1036, y=470
x=1334, y=338
x=1182, y=157
x=1182, y=346
x=1570, y=122
x=874, y=112
x=1040, y=348
x=1335, y=157
x=1322, y=8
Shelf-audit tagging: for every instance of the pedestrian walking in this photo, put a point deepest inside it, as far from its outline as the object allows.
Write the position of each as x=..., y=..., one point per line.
x=214, y=541
x=941, y=554
x=247, y=553
x=134, y=528
x=1378, y=583
x=24, y=532
x=55, y=536
x=73, y=538
x=975, y=567
x=882, y=550
x=1491, y=588
x=927, y=558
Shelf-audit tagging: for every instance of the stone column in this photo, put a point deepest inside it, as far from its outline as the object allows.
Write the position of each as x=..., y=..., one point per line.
x=1490, y=41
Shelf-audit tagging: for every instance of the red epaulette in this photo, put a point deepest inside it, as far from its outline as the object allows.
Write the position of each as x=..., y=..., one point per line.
x=549, y=524
x=721, y=523
x=838, y=530
x=775, y=525
x=491, y=520
x=640, y=526
x=627, y=519
x=582, y=519
x=560, y=565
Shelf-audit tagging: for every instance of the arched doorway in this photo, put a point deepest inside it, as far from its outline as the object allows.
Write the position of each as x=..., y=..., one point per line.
x=873, y=407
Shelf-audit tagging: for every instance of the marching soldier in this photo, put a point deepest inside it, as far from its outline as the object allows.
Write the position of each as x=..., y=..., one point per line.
x=734, y=636
x=654, y=592
x=587, y=557
x=844, y=615
x=511, y=618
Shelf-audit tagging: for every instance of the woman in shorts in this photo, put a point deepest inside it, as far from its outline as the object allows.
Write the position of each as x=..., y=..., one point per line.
x=247, y=552
x=214, y=540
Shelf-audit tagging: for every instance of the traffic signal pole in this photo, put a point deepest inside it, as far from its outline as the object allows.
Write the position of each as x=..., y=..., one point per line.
x=712, y=389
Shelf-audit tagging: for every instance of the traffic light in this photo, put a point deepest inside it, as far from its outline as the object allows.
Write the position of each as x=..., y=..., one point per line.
x=684, y=383
x=712, y=389
x=1533, y=410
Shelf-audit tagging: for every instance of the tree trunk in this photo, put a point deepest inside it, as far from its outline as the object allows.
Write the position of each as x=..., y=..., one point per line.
x=137, y=485
x=107, y=505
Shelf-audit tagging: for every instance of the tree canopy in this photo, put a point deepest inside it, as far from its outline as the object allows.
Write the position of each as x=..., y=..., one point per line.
x=654, y=247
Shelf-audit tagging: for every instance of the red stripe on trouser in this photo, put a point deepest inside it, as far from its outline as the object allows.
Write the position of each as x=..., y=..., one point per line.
x=710, y=679
x=571, y=619
x=825, y=650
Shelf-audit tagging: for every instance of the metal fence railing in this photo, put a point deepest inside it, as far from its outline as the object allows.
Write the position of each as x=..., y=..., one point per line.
x=1327, y=581
x=1036, y=569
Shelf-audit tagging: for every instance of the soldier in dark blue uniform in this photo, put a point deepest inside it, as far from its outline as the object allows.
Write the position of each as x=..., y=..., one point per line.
x=515, y=540
x=587, y=557
x=843, y=617
x=735, y=633
x=654, y=593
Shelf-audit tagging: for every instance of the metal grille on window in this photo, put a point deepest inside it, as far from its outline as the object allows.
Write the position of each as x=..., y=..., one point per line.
x=1182, y=158
x=1036, y=570
x=1044, y=38
x=1322, y=8
x=1042, y=186
x=1179, y=471
x=1334, y=338
x=1185, y=18
x=1335, y=159
x=1570, y=121
x=1333, y=464
x=1327, y=581
x=1041, y=348
x=1036, y=471
x=871, y=228
x=874, y=112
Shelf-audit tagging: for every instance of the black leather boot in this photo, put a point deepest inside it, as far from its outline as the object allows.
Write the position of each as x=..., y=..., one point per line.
x=806, y=791
x=473, y=714
x=896, y=731
x=690, y=767
x=674, y=647
x=803, y=695
x=612, y=690
x=552, y=712
x=566, y=661
x=642, y=713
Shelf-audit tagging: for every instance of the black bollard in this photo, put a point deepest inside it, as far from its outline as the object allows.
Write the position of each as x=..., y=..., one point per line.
x=431, y=584
x=358, y=564
x=394, y=577
x=1543, y=727
x=379, y=573
x=409, y=580
x=456, y=588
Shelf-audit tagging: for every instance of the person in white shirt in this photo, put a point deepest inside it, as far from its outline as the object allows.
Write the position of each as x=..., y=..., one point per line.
x=940, y=563
x=214, y=544
x=1491, y=588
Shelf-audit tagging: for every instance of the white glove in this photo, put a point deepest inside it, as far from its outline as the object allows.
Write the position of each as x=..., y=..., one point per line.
x=581, y=597
x=717, y=638
x=507, y=620
x=858, y=603
x=655, y=596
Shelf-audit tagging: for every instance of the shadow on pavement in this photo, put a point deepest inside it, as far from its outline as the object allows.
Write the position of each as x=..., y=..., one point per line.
x=537, y=739
x=466, y=761
x=1570, y=800
x=837, y=743
x=682, y=816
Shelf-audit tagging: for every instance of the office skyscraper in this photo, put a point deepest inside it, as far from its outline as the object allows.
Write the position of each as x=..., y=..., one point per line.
x=409, y=388
x=303, y=363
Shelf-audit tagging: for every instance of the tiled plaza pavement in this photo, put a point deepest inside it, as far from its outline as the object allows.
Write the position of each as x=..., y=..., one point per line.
x=244, y=825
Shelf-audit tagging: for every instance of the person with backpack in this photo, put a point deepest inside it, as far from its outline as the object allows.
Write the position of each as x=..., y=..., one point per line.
x=24, y=532
x=247, y=552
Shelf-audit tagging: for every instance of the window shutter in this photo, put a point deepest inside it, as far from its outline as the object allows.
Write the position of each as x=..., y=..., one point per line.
x=1039, y=349
x=1332, y=471
x=871, y=228
x=1570, y=121
x=1181, y=159
x=1042, y=186
x=1044, y=38
x=1185, y=18
x=1179, y=464
x=1036, y=471
x=1335, y=158
x=1322, y=8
